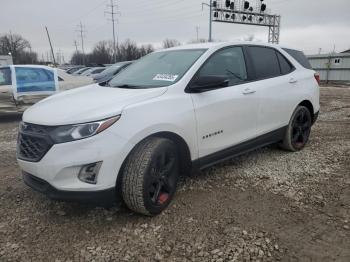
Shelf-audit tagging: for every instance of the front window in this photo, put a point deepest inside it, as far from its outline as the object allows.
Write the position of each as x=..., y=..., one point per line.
x=157, y=69
x=229, y=63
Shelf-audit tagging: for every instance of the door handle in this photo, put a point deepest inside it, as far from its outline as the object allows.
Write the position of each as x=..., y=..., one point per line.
x=248, y=91
x=293, y=80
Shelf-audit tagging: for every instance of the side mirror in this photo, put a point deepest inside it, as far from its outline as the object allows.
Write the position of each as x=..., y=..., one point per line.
x=207, y=83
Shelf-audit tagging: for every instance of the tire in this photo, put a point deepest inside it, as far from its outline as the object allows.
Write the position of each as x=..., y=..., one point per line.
x=298, y=130
x=150, y=175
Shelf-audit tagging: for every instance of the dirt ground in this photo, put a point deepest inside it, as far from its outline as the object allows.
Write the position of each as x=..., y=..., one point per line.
x=268, y=205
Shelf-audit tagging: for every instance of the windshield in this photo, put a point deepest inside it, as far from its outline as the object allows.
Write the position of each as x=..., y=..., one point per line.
x=110, y=70
x=157, y=69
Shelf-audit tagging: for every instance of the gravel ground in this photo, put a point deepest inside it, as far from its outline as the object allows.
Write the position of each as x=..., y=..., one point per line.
x=268, y=205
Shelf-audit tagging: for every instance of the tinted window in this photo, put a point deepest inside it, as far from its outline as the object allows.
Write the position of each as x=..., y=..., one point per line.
x=265, y=62
x=34, y=79
x=5, y=76
x=300, y=57
x=285, y=65
x=228, y=62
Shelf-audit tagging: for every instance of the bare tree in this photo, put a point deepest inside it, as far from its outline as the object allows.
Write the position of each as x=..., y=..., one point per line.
x=26, y=57
x=145, y=49
x=249, y=38
x=167, y=43
x=77, y=58
x=200, y=40
x=102, y=53
x=14, y=44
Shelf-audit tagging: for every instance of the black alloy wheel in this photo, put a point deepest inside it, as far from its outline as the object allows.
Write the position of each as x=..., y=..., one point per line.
x=150, y=176
x=301, y=128
x=163, y=178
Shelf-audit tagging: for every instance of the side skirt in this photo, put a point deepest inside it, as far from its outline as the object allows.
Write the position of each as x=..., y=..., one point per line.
x=231, y=152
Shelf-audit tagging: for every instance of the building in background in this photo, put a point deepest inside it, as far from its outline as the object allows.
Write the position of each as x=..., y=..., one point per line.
x=332, y=67
x=5, y=60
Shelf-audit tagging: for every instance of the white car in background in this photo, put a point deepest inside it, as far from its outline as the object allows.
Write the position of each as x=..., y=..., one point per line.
x=170, y=112
x=24, y=85
x=93, y=70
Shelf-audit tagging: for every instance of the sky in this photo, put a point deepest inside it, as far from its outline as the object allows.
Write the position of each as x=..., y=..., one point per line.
x=313, y=26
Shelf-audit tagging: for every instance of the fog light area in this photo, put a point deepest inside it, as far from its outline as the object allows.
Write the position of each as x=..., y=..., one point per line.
x=89, y=173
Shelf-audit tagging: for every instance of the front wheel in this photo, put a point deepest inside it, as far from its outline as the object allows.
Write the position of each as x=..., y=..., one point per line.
x=298, y=131
x=150, y=176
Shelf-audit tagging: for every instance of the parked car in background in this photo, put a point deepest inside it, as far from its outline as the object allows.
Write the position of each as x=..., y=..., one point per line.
x=110, y=72
x=67, y=81
x=73, y=69
x=80, y=71
x=93, y=70
x=170, y=112
x=24, y=85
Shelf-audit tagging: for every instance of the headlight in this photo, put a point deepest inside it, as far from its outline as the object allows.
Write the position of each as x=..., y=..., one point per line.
x=63, y=134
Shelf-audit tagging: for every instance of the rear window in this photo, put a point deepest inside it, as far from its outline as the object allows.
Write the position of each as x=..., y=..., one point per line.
x=299, y=56
x=5, y=76
x=265, y=62
x=30, y=79
x=285, y=65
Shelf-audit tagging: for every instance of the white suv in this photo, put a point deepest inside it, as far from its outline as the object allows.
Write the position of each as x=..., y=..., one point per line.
x=171, y=111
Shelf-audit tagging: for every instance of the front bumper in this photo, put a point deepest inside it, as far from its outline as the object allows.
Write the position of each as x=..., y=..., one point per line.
x=107, y=197
x=60, y=166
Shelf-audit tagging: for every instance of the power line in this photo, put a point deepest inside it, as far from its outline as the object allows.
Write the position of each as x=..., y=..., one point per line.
x=179, y=16
x=113, y=12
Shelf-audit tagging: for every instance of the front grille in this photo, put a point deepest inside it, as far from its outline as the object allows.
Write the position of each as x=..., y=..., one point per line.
x=33, y=142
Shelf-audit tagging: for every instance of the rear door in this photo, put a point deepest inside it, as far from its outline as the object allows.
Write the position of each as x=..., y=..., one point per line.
x=33, y=83
x=226, y=116
x=6, y=91
x=276, y=80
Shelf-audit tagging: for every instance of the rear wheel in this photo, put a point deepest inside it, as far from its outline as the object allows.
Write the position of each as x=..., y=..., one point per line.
x=299, y=129
x=150, y=176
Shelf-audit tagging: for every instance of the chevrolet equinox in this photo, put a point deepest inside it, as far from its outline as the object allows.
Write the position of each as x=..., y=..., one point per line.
x=168, y=113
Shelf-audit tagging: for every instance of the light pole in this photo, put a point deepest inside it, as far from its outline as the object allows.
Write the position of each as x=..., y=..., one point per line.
x=210, y=5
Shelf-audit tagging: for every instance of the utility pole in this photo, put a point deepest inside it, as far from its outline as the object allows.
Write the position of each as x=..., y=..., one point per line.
x=53, y=56
x=210, y=5
x=76, y=46
x=197, y=31
x=81, y=32
x=113, y=12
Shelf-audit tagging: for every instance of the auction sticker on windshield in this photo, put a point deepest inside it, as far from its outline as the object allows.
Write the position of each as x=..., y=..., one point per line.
x=166, y=77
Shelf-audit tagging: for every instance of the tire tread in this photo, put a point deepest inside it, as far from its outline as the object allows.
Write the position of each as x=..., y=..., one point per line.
x=133, y=174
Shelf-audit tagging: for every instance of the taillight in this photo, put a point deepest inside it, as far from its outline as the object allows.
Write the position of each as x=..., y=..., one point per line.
x=317, y=77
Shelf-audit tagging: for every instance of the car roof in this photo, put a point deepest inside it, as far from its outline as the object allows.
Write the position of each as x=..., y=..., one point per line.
x=217, y=45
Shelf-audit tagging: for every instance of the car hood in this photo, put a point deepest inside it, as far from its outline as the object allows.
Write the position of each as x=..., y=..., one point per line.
x=86, y=104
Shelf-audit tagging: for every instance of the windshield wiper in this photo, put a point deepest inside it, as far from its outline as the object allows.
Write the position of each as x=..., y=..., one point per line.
x=127, y=86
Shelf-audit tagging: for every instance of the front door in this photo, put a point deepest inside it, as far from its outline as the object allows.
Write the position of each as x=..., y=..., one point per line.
x=227, y=116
